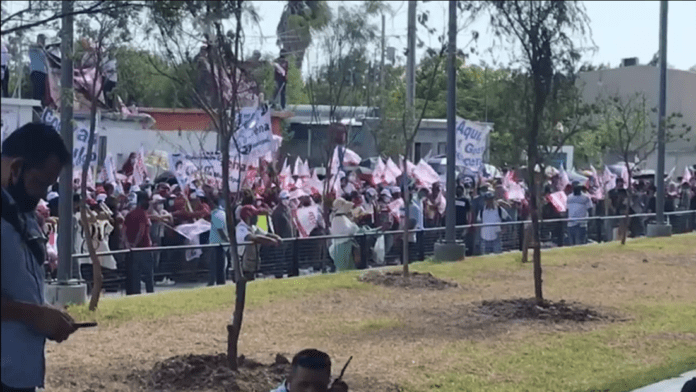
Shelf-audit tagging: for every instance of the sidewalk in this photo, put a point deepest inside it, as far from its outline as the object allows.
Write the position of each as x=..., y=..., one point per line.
x=670, y=385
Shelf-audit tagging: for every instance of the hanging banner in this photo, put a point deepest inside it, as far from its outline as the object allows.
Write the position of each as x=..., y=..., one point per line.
x=471, y=140
x=80, y=138
x=205, y=166
x=254, y=135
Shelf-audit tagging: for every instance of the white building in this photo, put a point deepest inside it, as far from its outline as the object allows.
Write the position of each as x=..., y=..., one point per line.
x=681, y=98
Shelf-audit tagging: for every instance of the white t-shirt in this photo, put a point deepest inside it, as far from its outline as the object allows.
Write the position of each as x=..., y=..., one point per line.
x=491, y=216
x=242, y=231
x=578, y=208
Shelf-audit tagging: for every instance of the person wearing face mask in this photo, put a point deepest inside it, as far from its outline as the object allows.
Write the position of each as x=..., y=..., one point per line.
x=129, y=165
x=32, y=157
x=160, y=219
x=284, y=227
x=138, y=236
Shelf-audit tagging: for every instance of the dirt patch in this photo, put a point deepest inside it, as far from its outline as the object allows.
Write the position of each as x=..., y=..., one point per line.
x=527, y=309
x=212, y=372
x=415, y=280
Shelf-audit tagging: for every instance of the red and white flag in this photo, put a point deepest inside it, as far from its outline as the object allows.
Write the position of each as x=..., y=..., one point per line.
x=139, y=170
x=306, y=220
x=379, y=172
x=608, y=179
x=564, y=180
x=425, y=175
x=559, y=200
x=350, y=158
x=393, y=169
x=594, y=185
x=313, y=184
x=686, y=178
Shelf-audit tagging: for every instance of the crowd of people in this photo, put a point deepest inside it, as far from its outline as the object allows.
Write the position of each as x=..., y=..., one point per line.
x=151, y=215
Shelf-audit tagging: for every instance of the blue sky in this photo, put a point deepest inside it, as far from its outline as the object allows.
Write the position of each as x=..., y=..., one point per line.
x=620, y=29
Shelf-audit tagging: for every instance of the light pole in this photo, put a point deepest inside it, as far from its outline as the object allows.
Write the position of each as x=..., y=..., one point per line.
x=660, y=228
x=451, y=250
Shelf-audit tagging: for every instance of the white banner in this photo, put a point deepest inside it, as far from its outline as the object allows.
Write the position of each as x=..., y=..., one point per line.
x=80, y=138
x=471, y=143
x=205, y=166
x=110, y=170
x=254, y=135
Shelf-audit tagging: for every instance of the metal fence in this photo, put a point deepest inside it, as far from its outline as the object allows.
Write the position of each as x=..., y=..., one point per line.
x=312, y=254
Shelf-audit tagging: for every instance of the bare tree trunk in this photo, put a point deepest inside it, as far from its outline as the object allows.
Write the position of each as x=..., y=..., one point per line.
x=229, y=127
x=97, y=278
x=532, y=161
x=96, y=264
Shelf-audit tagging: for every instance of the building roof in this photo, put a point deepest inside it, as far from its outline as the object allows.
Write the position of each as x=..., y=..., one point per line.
x=319, y=114
x=190, y=119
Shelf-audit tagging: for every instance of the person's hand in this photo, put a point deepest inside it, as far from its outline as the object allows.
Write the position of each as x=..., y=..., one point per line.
x=339, y=386
x=55, y=323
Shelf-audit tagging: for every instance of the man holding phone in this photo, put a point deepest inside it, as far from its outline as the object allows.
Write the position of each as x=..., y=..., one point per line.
x=32, y=158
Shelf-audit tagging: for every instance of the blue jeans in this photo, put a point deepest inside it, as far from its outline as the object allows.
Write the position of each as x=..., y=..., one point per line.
x=216, y=266
x=577, y=234
x=144, y=269
x=488, y=247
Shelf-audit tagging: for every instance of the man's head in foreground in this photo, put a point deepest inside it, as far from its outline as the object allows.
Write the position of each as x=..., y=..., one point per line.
x=32, y=157
x=311, y=372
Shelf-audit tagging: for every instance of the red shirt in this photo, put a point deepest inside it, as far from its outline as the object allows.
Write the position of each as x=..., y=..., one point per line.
x=135, y=220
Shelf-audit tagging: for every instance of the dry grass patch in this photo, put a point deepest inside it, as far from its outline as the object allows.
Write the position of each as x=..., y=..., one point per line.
x=424, y=339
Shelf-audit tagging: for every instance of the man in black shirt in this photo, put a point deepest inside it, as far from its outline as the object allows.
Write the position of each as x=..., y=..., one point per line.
x=463, y=206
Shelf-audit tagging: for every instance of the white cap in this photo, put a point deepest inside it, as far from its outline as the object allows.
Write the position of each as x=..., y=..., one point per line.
x=53, y=195
x=200, y=193
x=101, y=197
x=385, y=192
x=157, y=198
x=395, y=189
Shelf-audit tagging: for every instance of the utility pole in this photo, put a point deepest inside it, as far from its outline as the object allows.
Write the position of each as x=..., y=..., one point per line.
x=411, y=65
x=660, y=229
x=67, y=290
x=451, y=250
x=381, y=68
x=65, y=205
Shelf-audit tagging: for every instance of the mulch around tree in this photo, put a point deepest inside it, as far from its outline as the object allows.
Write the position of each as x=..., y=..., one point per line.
x=415, y=280
x=212, y=372
x=527, y=309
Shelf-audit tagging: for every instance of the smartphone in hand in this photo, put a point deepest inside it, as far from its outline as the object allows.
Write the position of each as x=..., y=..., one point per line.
x=85, y=325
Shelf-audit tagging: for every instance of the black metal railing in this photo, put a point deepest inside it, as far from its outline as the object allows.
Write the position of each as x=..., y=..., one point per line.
x=298, y=255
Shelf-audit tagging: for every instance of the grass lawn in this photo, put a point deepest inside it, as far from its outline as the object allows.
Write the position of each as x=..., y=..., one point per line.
x=422, y=340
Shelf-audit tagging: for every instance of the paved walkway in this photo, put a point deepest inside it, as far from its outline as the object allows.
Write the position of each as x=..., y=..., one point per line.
x=670, y=385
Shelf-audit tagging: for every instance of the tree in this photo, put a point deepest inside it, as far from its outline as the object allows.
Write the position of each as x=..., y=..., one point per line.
x=220, y=90
x=301, y=19
x=543, y=30
x=629, y=132
x=104, y=30
x=48, y=13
